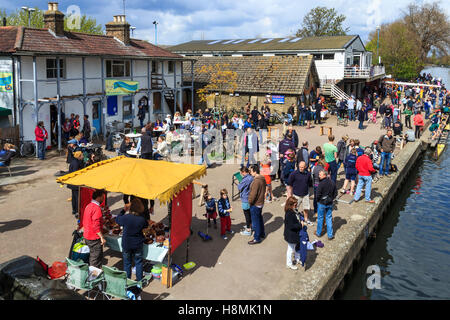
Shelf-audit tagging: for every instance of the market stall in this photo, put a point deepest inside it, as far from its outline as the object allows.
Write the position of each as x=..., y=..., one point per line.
x=170, y=183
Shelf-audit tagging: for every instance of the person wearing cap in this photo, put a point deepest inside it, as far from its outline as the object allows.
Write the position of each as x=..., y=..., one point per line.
x=169, y=119
x=75, y=164
x=72, y=146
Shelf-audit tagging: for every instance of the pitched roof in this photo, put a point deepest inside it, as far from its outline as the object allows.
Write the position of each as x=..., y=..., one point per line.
x=8, y=39
x=277, y=75
x=21, y=39
x=266, y=44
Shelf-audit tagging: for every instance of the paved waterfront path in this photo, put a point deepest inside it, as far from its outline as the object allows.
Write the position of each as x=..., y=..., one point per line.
x=36, y=220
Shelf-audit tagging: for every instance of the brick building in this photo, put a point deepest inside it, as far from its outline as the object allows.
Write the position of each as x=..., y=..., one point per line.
x=283, y=80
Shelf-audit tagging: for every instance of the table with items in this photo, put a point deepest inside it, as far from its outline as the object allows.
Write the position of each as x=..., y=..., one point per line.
x=156, y=235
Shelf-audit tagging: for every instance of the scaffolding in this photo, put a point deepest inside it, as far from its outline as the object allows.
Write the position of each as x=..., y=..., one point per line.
x=152, y=86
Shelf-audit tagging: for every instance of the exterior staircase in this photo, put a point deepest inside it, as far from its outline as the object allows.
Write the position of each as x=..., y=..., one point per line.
x=169, y=96
x=330, y=89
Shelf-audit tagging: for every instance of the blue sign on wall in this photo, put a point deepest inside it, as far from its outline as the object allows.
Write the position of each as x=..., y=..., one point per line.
x=112, y=105
x=278, y=99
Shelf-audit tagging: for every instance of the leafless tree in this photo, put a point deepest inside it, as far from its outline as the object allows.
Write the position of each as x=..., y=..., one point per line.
x=431, y=25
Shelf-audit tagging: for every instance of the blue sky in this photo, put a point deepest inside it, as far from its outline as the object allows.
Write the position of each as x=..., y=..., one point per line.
x=186, y=20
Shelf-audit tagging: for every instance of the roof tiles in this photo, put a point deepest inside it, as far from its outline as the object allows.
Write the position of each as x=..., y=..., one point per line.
x=75, y=43
x=282, y=75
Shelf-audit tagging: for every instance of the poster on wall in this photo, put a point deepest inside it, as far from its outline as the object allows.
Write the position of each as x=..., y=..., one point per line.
x=6, y=84
x=120, y=87
x=275, y=99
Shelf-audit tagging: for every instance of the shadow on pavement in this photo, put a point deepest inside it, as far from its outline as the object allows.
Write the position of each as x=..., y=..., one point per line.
x=338, y=222
x=13, y=225
x=310, y=258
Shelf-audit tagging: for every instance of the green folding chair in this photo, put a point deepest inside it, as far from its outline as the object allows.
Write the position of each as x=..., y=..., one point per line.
x=237, y=178
x=117, y=283
x=78, y=277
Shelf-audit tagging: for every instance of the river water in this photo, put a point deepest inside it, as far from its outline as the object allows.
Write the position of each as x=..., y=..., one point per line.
x=412, y=246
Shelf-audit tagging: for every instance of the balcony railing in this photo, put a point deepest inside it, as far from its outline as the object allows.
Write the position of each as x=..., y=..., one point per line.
x=364, y=72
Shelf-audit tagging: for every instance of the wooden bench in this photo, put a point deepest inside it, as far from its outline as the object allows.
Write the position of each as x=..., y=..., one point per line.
x=269, y=129
x=330, y=130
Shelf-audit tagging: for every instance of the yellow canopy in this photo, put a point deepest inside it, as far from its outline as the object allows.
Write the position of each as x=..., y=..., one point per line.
x=147, y=179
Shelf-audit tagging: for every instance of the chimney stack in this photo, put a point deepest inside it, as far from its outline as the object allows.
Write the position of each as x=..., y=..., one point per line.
x=54, y=19
x=119, y=28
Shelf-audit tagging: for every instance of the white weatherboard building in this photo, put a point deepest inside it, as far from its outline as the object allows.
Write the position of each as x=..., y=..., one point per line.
x=67, y=71
x=342, y=62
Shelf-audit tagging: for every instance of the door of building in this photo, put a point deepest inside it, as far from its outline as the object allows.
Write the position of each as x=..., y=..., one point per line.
x=97, y=115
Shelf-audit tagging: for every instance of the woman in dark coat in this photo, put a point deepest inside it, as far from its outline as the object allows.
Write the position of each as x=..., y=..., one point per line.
x=292, y=227
x=133, y=238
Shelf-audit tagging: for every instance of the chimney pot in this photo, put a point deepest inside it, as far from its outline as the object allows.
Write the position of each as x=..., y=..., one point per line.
x=54, y=19
x=119, y=28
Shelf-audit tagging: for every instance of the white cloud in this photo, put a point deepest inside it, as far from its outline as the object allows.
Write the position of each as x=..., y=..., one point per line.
x=186, y=20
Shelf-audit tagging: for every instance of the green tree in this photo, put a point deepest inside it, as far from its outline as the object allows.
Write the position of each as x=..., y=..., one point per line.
x=399, y=50
x=87, y=25
x=20, y=18
x=322, y=21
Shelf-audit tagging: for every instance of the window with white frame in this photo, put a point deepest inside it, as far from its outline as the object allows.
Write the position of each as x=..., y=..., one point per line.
x=117, y=68
x=51, y=68
x=154, y=66
x=328, y=56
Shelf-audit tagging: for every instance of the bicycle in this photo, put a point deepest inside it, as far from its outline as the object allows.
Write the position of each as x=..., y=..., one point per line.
x=275, y=118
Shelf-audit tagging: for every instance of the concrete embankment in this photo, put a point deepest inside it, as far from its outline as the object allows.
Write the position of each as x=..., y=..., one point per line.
x=328, y=276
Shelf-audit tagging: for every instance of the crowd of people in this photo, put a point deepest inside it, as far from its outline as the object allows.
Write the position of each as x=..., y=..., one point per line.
x=70, y=129
x=303, y=170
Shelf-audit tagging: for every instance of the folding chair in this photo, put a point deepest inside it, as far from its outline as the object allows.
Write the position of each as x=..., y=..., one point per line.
x=78, y=277
x=117, y=283
x=236, y=179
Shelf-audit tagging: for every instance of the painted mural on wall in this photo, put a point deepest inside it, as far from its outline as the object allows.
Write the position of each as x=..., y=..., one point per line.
x=6, y=84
